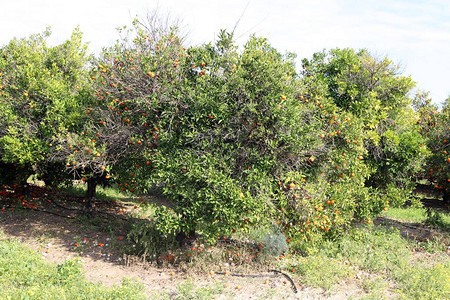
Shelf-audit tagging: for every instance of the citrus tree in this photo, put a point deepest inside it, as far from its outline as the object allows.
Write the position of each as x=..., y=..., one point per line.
x=132, y=86
x=230, y=136
x=373, y=91
x=41, y=94
x=433, y=124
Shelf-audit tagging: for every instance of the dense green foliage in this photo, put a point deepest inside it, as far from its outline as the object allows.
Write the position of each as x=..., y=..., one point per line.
x=372, y=91
x=232, y=137
x=434, y=125
x=41, y=96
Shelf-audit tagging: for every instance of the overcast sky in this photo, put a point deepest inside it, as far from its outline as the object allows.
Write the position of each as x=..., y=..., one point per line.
x=413, y=33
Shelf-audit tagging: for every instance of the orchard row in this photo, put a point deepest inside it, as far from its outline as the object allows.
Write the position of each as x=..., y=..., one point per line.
x=233, y=137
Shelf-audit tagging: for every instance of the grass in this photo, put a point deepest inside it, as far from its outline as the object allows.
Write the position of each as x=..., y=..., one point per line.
x=103, y=193
x=432, y=217
x=421, y=282
x=24, y=274
x=188, y=290
x=409, y=214
x=374, y=287
x=323, y=272
x=385, y=261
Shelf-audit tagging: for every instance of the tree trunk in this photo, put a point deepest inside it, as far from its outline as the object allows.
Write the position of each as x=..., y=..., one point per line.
x=446, y=197
x=90, y=194
x=186, y=239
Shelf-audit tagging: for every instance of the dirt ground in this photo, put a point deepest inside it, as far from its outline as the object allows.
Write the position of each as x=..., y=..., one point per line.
x=58, y=238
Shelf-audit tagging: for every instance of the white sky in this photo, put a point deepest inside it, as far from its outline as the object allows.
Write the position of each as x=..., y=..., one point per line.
x=412, y=33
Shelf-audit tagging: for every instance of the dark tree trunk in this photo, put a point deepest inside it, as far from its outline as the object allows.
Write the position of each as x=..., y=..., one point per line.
x=186, y=239
x=90, y=194
x=446, y=197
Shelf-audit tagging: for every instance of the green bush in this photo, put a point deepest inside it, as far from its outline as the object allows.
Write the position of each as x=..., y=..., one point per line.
x=41, y=95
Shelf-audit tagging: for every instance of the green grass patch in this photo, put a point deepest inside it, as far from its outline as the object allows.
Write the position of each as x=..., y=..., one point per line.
x=320, y=271
x=103, y=193
x=370, y=248
x=24, y=274
x=434, y=218
x=385, y=255
x=409, y=214
x=374, y=287
x=420, y=282
x=188, y=290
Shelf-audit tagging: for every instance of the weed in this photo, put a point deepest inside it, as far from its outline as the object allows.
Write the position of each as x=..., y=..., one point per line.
x=373, y=249
x=188, y=290
x=374, y=286
x=320, y=271
x=429, y=245
x=417, y=282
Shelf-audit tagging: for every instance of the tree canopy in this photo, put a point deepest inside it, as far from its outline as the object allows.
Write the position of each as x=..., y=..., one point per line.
x=233, y=137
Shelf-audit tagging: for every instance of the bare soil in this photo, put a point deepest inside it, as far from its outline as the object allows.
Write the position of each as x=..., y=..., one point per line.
x=49, y=224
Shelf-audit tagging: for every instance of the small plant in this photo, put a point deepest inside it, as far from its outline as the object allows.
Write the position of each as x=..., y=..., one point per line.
x=148, y=241
x=68, y=271
x=374, y=286
x=437, y=219
x=275, y=243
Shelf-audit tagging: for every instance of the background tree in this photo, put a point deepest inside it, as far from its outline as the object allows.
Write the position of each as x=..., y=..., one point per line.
x=373, y=91
x=433, y=124
x=132, y=86
x=41, y=95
